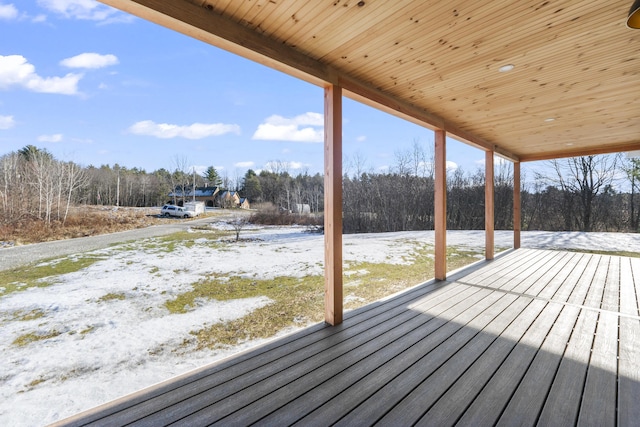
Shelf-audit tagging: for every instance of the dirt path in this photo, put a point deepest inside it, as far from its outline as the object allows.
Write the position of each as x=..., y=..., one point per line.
x=21, y=255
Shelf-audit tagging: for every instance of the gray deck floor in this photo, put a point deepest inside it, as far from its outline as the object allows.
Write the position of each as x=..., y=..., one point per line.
x=533, y=337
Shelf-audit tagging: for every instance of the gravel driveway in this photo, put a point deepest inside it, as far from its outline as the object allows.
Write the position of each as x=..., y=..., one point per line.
x=19, y=255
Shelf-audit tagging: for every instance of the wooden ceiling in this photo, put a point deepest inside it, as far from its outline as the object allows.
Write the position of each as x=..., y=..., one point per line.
x=574, y=89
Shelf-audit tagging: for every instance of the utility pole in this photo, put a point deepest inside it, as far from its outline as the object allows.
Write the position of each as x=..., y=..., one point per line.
x=118, y=190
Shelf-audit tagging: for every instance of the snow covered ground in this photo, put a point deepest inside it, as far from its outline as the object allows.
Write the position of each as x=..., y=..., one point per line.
x=111, y=335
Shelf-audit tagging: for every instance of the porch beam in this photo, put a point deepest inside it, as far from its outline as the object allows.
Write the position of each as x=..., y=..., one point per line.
x=516, y=205
x=440, y=205
x=579, y=152
x=333, y=205
x=489, y=205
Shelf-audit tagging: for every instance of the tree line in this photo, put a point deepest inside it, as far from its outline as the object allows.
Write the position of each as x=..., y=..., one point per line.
x=580, y=193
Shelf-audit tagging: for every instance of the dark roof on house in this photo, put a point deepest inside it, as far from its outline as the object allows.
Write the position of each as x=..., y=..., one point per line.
x=200, y=192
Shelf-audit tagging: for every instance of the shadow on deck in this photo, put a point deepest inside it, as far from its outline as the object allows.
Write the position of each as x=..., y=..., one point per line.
x=533, y=337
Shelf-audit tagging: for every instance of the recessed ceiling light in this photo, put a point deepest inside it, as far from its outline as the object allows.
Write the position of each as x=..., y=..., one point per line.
x=569, y=144
x=549, y=119
x=506, y=68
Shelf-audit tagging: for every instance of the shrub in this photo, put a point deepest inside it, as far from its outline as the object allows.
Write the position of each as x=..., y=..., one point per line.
x=268, y=214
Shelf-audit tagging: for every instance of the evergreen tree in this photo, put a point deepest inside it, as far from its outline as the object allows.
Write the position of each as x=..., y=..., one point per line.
x=251, y=187
x=212, y=177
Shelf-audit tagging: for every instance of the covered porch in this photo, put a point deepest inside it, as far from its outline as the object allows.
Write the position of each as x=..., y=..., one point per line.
x=532, y=337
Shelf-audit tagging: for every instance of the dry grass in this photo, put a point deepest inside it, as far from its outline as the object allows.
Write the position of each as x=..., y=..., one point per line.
x=41, y=275
x=82, y=221
x=30, y=337
x=299, y=301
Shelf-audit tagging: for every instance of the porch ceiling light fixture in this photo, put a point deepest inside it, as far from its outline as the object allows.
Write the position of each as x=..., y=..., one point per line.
x=508, y=67
x=633, y=21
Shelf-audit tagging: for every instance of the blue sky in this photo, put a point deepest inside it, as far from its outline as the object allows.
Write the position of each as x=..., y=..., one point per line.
x=98, y=86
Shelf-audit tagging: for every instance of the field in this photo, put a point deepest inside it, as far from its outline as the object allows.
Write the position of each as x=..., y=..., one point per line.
x=82, y=221
x=81, y=330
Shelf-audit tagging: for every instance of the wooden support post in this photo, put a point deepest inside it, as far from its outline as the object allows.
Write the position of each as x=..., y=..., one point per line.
x=440, y=205
x=516, y=205
x=333, y=205
x=489, y=205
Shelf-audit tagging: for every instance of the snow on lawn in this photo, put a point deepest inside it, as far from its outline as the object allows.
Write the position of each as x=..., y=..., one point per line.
x=109, y=333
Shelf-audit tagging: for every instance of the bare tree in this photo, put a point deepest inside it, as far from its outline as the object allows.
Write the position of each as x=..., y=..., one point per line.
x=180, y=178
x=357, y=164
x=75, y=178
x=238, y=223
x=582, y=179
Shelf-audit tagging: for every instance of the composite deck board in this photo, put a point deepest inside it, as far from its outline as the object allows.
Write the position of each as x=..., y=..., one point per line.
x=455, y=400
x=629, y=372
x=628, y=300
x=398, y=375
x=563, y=400
x=407, y=353
x=526, y=403
x=423, y=390
x=584, y=283
x=598, y=282
x=244, y=392
x=598, y=405
x=552, y=278
x=560, y=286
x=566, y=288
x=531, y=337
x=635, y=273
x=246, y=407
x=486, y=409
x=611, y=294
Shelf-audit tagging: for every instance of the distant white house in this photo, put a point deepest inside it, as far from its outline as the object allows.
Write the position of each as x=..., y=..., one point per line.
x=301, y=208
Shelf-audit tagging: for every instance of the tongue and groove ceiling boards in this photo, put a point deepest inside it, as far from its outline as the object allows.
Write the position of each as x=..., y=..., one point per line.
x=574, y=86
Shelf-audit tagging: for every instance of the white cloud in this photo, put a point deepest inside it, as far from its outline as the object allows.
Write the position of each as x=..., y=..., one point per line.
x=80, y=9
x=308, y=127
x=278, y=166
x=90, y=60
x=50, y=138
x=39, y=18
x=16, y=71
x=244, y=164
x=296, y=165
x=8, y=11
x=361, y=138
x=7, y=122
x=451, y=166
x=194, y=131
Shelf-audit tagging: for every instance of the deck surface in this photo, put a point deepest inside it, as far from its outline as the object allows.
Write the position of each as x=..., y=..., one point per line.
x=533, y=337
